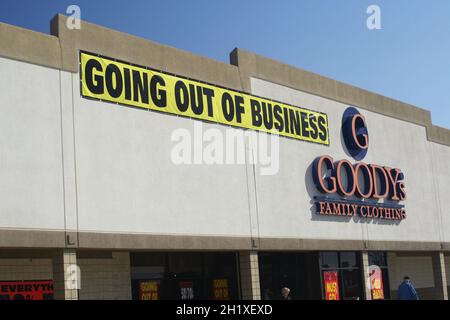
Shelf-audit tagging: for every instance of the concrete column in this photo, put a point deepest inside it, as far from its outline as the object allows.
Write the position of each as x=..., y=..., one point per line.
x=65, y=280
x=365, y=275
x=392, y=270
x=440, y=278
x=249, y=275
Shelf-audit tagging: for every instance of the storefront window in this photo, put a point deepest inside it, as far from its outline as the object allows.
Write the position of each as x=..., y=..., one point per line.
x=341, y=275
x=182, y=265
x=348, y=260
x=377, y=258
x=329, y=260
x=299, y=271
x=351, y=280
x=185, y=276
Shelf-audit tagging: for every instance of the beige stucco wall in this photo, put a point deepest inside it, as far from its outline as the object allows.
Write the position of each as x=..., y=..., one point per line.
x=25, y=269
x=105, y=279
x=418, y=268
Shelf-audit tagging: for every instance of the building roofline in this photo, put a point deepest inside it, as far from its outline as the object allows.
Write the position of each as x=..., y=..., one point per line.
x=60, y=51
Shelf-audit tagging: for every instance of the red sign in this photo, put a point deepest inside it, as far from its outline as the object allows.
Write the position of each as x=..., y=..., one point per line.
x=221, y=290
x=376, y=284
x=331, y=285
x=26, y=290
x=149, y=290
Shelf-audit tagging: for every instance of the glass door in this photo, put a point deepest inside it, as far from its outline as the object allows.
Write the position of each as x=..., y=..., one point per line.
x=341, y=275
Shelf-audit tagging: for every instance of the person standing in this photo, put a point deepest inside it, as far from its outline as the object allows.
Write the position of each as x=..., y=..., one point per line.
x=406, y=290
x=285, y=294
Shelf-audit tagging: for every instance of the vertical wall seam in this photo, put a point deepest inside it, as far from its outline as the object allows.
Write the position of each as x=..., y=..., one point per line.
x=63, y=148
x=248, y=195
x=62, y=156
x=62, y=142
x=75, y=160
x=241, y=82
x=256, y=197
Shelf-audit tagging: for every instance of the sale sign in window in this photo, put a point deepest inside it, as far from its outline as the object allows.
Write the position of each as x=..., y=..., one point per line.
x=221, y=290
x=187, y=290
x=376, y=283
x=149, y=290
x=331, y=285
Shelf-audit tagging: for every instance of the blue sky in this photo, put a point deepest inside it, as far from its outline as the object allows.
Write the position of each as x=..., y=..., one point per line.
x=408, y=59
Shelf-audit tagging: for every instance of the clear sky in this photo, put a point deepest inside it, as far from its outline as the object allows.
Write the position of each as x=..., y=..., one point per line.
x=408, y=59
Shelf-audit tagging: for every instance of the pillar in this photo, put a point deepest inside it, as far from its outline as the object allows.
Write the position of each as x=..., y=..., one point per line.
x=249, y=275
x=65, y=277
x=365, y=275
x=392, y=274
x=440, y=278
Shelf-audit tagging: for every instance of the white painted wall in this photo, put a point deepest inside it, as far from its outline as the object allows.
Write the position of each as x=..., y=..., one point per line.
x=31, y=194
x=125, y=181
x=441, y=160
x=128, y=183
x=285, y=200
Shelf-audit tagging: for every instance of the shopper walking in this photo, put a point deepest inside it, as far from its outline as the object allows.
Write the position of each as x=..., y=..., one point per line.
x=406, y=290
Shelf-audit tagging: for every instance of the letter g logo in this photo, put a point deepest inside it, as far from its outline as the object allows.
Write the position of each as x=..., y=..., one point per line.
x=355, y=134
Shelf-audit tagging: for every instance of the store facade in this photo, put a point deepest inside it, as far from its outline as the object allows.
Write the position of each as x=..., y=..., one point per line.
x=96, y=203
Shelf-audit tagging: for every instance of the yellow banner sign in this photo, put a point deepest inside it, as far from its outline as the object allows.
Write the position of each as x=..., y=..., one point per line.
x=127, y=84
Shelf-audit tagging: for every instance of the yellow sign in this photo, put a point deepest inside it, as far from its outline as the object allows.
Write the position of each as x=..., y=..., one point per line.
x=221, y=291
x=127, y=84
x=149, y=290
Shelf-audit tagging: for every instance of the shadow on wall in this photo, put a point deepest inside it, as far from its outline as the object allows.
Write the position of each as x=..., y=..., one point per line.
x=312, y=192
x=341, y=136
